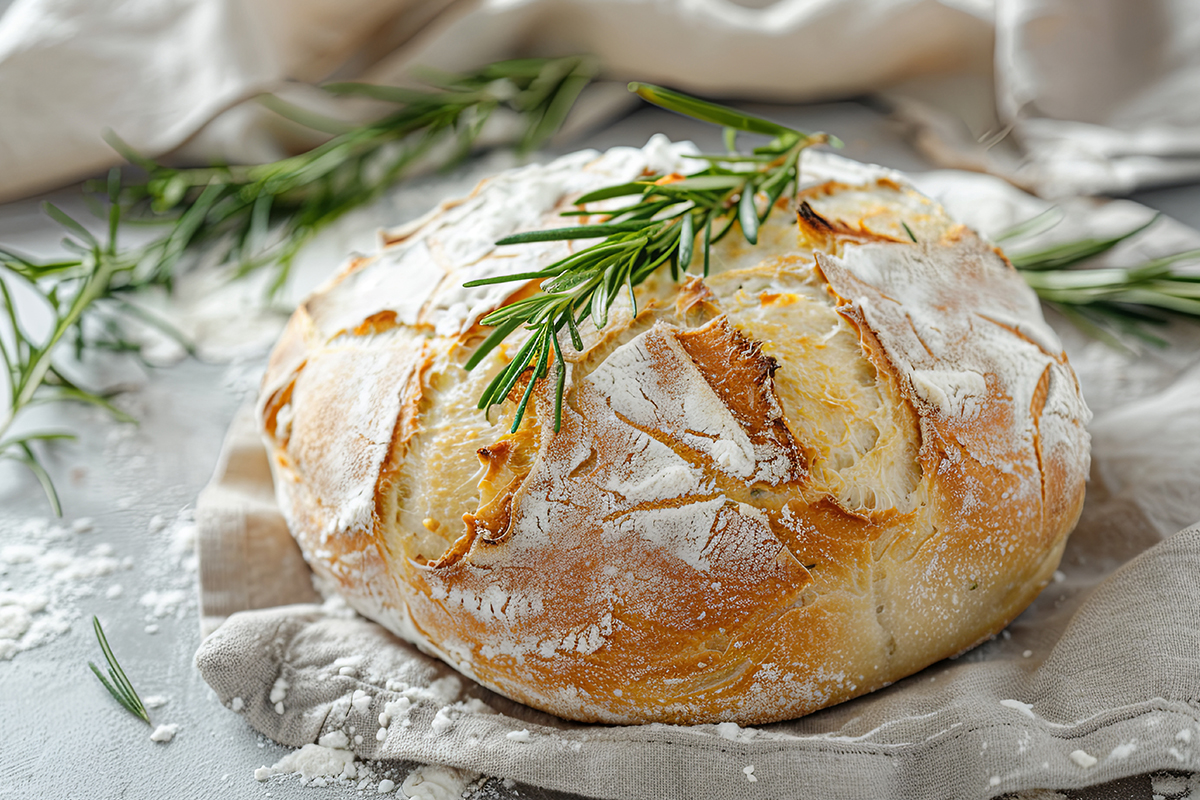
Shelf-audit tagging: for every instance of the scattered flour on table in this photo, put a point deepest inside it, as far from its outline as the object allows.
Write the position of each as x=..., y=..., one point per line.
x=163, y=604
x=50, y=570
x=1167, y=785
x=44, y=573
x=316, y=764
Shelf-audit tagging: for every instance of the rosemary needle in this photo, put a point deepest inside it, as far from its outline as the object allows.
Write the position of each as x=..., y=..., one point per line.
x=117, y=683
x=1112, y=304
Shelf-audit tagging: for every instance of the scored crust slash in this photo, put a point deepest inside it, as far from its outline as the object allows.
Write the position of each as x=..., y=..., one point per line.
x=851, y=450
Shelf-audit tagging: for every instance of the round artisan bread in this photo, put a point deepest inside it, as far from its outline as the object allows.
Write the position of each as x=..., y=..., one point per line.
x=840, y=457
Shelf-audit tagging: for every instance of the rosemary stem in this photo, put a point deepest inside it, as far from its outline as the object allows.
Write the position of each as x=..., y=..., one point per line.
x=93, y=287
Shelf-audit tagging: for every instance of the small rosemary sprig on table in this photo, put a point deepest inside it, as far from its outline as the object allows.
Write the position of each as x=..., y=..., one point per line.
x=117, y=683
x=658, y=227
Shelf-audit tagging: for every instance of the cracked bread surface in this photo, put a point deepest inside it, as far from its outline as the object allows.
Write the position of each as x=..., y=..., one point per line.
x=840, y=457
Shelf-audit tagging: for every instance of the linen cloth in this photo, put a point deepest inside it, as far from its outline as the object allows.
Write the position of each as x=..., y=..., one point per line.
x=1096, y=95
x=1104, y=665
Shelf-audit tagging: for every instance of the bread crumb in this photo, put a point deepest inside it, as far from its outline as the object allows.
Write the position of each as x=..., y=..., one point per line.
x=518, y=736
x=749, y=772
x=164, y=733
x=1083, y=759
x=442, y=721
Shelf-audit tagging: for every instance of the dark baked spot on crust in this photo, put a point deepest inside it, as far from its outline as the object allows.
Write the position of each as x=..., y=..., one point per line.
x=821, y=231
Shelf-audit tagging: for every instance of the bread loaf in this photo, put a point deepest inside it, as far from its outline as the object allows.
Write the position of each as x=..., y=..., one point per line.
x=839, y=458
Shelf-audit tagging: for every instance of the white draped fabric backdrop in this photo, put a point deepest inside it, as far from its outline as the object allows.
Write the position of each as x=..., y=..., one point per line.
x=1084, y=96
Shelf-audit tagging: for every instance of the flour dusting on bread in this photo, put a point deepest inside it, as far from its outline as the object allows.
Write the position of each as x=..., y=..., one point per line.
x=839, y=457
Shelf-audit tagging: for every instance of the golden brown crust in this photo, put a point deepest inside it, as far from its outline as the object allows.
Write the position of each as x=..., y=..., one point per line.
x=842, y=456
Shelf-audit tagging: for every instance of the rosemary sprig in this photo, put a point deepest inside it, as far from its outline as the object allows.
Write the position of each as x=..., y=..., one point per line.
x=658, y=226
x=253, y=215
x=1110, y=304
x=71, y=289
x=117, y=683
x=263, y=215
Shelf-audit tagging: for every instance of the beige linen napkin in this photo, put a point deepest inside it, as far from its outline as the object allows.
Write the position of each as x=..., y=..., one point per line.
x=1098, y=679
x=247, y=557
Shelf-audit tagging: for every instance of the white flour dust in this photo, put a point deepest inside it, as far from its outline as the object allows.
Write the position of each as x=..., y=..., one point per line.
x=53, y=573
x=330, y=762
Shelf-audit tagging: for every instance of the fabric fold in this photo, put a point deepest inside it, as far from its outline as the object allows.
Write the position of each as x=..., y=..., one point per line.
x=1096, y=96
